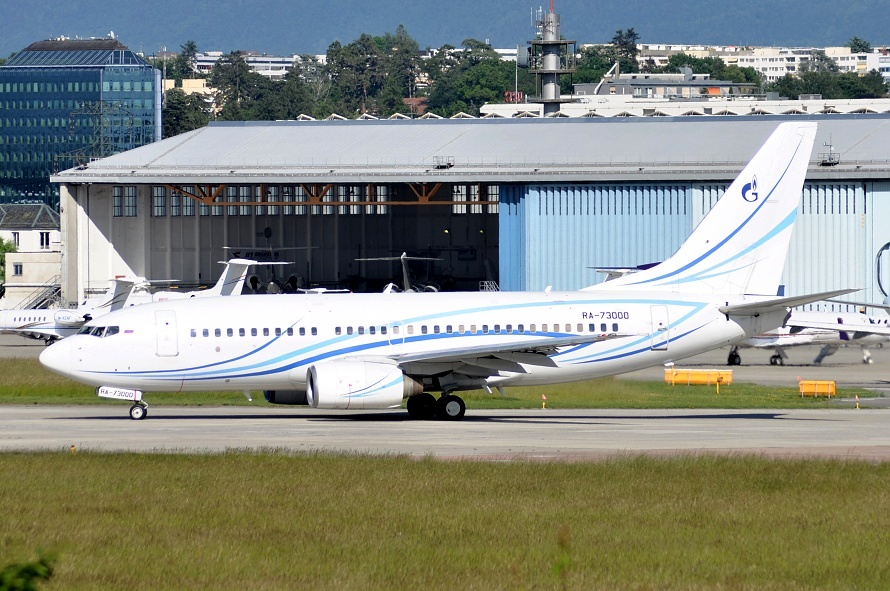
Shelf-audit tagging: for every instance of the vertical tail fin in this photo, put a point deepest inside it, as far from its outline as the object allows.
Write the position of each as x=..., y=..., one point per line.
x=739, y=247
x=232, y=279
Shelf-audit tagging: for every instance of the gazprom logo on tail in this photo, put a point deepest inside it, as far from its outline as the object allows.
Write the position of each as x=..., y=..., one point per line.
x=749, y=191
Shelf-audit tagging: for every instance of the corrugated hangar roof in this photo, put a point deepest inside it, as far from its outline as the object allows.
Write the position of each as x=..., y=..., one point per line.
x=493, y=150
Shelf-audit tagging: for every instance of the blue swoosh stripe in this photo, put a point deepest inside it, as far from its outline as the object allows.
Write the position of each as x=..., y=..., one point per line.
x=730, y=235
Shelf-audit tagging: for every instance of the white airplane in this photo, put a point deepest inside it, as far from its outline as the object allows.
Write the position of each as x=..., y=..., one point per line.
x=407, y=285
x=829, y=329
x=372, y=351
x=51, y=325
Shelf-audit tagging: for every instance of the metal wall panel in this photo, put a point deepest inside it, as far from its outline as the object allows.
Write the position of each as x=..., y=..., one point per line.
x=877, y=219
x=831, y=245
x=552, y=234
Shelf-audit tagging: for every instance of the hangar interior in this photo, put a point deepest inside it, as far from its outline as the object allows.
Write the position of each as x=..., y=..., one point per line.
x=322, y=232
x=526, y=203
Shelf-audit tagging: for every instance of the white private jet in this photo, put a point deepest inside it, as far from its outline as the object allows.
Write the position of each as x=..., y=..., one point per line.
x=829, y=329
x=51, y=325
x=407, y=285
x=373, y=351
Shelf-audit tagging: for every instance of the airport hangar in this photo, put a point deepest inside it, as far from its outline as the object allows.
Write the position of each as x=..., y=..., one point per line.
x=528, y=203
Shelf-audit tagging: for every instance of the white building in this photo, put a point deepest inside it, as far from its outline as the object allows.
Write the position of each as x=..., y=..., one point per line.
x=35, y=268
x=273, y=67
x=772, y=63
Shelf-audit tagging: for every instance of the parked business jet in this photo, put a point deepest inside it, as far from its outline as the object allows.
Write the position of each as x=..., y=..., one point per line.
x=365, y=351
x=50, y=325
x=829, y=329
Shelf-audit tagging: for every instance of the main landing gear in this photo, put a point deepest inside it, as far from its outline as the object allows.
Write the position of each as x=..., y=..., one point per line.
x=425, y=407
x=139, y=411
x=776, y=360
x=734, y=357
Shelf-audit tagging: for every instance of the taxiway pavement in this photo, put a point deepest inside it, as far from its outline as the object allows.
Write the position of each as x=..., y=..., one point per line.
x=567, y=435
x=491, y=435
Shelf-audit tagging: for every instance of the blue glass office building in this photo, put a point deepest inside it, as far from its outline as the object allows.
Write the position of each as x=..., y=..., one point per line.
x=65, y=102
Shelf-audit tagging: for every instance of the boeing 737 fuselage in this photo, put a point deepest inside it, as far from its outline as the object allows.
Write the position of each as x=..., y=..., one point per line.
x=362, y=351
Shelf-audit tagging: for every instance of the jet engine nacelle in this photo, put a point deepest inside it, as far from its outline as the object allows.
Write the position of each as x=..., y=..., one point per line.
x=288, y=397
x=358, y=385
x=69, y=318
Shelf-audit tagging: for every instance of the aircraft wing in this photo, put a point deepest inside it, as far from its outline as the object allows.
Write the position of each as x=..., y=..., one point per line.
x=530, y=351
x=777, y=304
x=858, y=330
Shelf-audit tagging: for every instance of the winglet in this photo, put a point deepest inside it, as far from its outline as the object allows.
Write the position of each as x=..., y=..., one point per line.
x=232, y=279
x=115, y=296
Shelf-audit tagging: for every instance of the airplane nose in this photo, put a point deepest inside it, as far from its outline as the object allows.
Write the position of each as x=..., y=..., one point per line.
x=57, y=357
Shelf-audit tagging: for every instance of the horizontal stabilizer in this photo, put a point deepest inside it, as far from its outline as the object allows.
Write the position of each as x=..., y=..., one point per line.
x=859, y=330
x=776, y=304
x=885, y=306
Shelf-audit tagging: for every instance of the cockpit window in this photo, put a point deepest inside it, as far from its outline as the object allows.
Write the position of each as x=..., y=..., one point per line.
x=100, y=331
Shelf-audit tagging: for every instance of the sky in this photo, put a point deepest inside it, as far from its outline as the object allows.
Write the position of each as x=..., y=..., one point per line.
x=285, y=27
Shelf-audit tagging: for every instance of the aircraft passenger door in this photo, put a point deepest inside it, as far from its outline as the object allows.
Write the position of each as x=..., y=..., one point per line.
x=165, y=328
x=660, y=328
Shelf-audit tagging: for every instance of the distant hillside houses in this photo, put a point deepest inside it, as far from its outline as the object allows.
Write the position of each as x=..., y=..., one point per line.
x=772, y=63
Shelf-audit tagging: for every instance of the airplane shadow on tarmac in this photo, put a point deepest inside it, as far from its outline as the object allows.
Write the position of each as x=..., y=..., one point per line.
x=402, y=417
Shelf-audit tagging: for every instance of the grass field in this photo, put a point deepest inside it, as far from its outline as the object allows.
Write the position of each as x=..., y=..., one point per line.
x=25, y=381
x=276, y=521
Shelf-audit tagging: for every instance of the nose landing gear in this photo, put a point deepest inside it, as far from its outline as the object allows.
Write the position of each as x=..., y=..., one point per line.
x=139, y=411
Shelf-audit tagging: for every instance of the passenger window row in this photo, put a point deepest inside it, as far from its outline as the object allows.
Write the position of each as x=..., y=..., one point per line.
x=254, y=332
x=473, y=329
x=410, y=329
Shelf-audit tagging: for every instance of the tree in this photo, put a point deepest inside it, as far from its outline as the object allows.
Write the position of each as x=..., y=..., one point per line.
x=858, y=45
x=295, y=95
x=236, y=87
x=714, y=66
x=854, y=86
x=401, y=65
x=818, y=61
x=477, y=77
x=184, y=66
x=594, y=62
x=441, y=61
x=5, y=246
x=625, y=43
x=356, y=74
x=184, y=112
x=318, y=83
x=848, y=85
